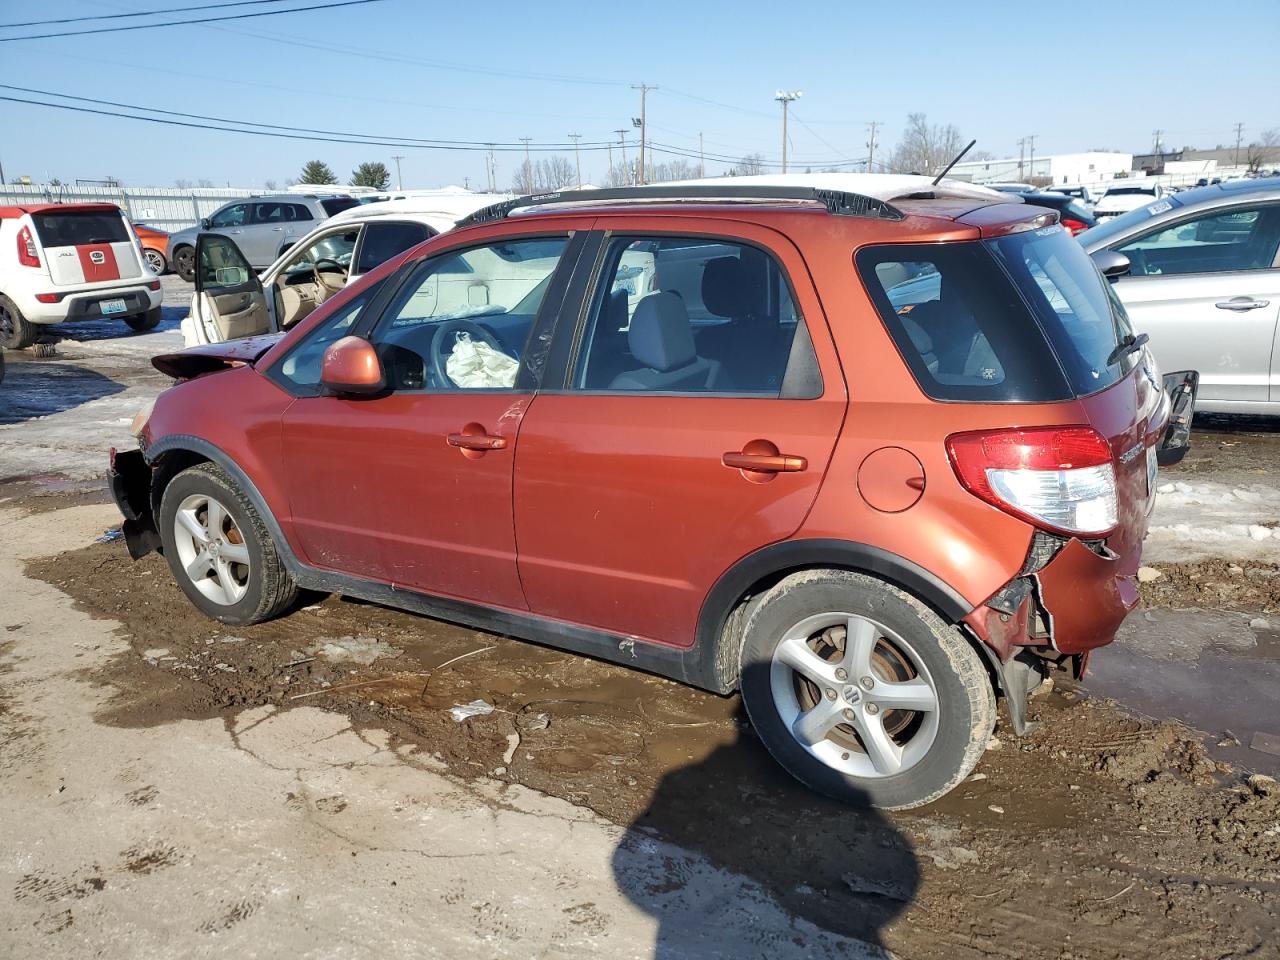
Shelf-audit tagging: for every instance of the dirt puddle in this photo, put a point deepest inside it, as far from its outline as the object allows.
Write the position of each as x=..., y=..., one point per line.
x=1100, y=835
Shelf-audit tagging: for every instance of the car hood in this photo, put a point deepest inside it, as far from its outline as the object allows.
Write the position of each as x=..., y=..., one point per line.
x=186, y=364
x=187, y=236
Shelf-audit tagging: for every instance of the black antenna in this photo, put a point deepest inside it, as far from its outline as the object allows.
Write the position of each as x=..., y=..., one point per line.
x=959, y=157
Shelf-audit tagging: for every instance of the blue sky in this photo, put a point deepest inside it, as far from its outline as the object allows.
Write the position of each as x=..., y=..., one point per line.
x=1081, y=76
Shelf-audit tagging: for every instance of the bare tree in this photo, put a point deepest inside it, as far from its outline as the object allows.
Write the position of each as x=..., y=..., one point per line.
x=269, y=185
x=1265, y=152
x=749, y=166
x=183, y=184
x=677, y=169
x=924, y=148
x=204, y=182
x=555, y=172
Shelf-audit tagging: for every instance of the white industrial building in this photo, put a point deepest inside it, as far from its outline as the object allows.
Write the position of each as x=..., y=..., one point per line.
x=1055, y=170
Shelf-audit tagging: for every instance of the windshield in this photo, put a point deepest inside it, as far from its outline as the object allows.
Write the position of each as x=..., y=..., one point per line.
x=1103, y=233
x=1022, y=318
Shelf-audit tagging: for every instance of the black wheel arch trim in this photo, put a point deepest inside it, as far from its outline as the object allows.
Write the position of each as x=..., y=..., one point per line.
x=779, y=558
x=704, y=664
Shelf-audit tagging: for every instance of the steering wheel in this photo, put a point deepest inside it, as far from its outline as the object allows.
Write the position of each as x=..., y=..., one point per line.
x=443, y=341
x=322, y=289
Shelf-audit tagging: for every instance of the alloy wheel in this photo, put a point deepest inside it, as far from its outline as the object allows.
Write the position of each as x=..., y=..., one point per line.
x=155, y=261
x=854, y=694
x=212, y=549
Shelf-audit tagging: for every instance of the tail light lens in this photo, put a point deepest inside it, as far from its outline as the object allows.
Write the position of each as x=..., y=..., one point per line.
x=1059, y=478
x=27, y=249
x=1075, y=226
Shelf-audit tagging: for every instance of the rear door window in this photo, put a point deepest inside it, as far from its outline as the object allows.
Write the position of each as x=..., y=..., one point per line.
x=71, y=228
x=382, y=241
x=688, y=315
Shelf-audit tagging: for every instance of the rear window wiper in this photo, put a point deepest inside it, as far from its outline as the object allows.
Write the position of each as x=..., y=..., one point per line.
x=1126, y=346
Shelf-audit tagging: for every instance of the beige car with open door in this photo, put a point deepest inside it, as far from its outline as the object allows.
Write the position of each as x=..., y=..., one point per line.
x=229, y=298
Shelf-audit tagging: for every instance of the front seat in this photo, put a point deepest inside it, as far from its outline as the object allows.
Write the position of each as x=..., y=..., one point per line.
x=661, y=339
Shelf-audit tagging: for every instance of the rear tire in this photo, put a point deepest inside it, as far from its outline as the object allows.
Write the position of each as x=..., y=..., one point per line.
x=833, y=660
x=156, y=261
x=144, y=321
x=16, y=331
x=184, y=263
x=220, y=551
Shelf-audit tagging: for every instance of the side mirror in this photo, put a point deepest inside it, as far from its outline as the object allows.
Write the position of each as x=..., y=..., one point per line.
x=351, y=367
x=1112, y=264
x=204, y=223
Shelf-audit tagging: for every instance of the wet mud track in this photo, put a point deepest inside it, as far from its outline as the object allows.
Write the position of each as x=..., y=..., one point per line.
x=1099, y=835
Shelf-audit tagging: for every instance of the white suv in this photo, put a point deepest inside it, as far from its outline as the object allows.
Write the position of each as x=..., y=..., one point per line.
x=67, y=262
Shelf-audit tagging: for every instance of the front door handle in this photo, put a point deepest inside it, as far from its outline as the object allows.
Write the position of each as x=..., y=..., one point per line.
x=476, y=441
x=764, y=462
x=1241, y=304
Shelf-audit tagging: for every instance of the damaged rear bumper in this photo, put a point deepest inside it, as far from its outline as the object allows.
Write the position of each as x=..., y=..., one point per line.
x=130, y=479
x=1070, y=598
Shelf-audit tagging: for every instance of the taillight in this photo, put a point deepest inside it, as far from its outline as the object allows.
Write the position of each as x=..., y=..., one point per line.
x=1058, y=478
x=27, y=249
x=1075, y=226
x=48, y=297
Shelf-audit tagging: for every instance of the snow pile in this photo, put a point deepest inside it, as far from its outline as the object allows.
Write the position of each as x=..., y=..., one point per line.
x=1207, y=519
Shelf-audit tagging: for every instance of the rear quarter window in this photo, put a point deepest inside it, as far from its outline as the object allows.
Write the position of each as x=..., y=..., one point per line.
x=72, y=228
x=338, y=204
x=960, y=324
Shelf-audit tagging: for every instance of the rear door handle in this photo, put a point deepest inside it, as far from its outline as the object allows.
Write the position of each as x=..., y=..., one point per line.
x=476, y=441
x=1241, y=304
x=764, y=462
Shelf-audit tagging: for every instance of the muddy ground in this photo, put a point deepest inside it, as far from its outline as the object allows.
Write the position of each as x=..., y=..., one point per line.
x=1099, y=835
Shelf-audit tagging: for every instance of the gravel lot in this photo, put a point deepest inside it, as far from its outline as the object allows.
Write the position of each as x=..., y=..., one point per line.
x=176, y=788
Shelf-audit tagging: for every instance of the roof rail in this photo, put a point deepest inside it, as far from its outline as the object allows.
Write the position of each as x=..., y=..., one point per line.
x=837, y=202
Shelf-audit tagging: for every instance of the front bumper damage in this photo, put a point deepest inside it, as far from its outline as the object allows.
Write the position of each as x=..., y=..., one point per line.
x=130, y=479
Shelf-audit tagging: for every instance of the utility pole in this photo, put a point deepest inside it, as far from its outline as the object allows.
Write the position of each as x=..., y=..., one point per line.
x=702, y=157
x=1022, y=152
x=491, y=168
x=622, y=137
x=399, y=182
x=644, y=88
x=785, y=97
x=1235, y=158
x=528, y=167
x=1155, y=145
x=577, y=158
x=1032, y=141
x=609, y=177
x=871, y=143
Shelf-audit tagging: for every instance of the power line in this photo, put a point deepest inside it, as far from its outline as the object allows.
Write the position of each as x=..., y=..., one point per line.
x=185, y=23
x=143, y=13
x=268, y=126
x=458, y=145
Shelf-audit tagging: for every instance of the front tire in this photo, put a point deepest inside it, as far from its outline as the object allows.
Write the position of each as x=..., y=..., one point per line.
x=184, y=263
x=144, y=321
x=862, y=692
x=220, y=551
x=16, y=331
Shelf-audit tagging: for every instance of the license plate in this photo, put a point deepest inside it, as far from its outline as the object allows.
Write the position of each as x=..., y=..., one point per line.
x=109, y=307
x=1153, y=467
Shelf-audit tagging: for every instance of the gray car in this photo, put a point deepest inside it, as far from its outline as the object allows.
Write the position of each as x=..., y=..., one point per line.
x=1199, y=272
x=262, y=227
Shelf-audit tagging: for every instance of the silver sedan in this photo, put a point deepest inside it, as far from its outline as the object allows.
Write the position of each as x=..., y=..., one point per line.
x=1199, y=272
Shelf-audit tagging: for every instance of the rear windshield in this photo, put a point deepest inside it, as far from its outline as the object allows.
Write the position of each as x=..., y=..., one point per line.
x=70, y=228
x=1023, y=318
x=338, y=204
